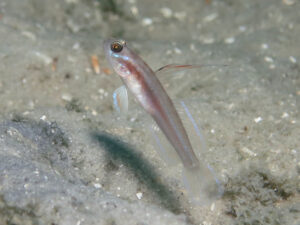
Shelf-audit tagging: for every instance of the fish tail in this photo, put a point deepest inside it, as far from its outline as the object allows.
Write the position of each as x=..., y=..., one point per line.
x=202, y=185
x=201, y=182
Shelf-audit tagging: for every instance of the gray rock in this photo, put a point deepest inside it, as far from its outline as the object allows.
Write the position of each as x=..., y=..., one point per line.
x=41, y=185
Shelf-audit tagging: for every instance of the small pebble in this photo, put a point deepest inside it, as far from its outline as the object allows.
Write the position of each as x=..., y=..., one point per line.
x=88, y=70
x=206, y=223
x=147, y=21
x=247, y=151
x=134, y=10
x=268, y=59
x=292, y=59
x=71, y=59
x=132, y=119
x=97, y=185
x=166, y=12
x=73, y=26
x=231, y=106
x=258, y=119
x=139, y=195
x=208, y=40
x=46, y=59
x=289, y=2
x=29, y=35
x=71, y=1
x=229, y=40
x=272, y=66
x=67, y=97
x=284, y=115
x=180, y=15
x=26, y=113
x=210, y=17
x=76, y=46
x=291, y=26
x=242, y=28
x=264, y=46
x=43, y=117
x=177, y=51
x=212, y=207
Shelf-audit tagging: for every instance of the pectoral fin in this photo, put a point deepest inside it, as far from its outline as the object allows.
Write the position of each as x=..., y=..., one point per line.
x=120, y=100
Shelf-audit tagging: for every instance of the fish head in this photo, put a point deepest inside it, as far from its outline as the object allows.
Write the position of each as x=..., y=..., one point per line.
x=119, y=56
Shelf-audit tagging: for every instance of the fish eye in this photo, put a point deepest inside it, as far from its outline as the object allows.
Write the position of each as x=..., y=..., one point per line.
x=116, y=46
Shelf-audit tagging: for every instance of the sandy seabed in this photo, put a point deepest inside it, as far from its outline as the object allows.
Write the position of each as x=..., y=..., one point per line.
x=67, y=158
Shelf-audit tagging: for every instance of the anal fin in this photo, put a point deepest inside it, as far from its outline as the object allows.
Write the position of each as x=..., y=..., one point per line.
x=163, y=147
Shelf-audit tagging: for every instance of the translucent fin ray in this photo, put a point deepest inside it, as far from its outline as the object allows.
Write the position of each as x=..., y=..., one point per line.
x=177, y=67
x=202, y=186
x=197, y=128
x=164, y=148
x=120, y=100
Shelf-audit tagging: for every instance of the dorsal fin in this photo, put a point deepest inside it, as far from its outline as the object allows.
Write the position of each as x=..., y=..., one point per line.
x=178, y=67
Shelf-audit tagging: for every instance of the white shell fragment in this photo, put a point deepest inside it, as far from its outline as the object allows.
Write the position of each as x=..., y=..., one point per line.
x=258, y=119
x=139, y=195
x=166, y=12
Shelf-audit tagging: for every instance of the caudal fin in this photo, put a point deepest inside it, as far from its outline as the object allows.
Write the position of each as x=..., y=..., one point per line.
x=202, y=185
x=201, y=182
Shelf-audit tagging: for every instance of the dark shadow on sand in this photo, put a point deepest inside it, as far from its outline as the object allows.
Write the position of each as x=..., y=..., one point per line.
x=140, y=167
